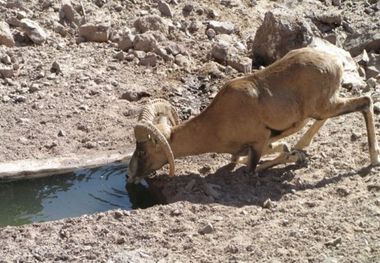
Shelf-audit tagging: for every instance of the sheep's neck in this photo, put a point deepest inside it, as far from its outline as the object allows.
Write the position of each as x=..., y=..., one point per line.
x=191, y=138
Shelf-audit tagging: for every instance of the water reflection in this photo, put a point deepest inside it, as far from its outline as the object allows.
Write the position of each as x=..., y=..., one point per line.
x=83, y=192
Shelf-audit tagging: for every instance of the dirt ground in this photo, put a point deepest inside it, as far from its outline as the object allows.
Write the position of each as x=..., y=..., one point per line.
x=324, y=210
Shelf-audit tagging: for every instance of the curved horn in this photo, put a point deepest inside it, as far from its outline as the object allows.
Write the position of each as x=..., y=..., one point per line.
x=156, y=108
x=143, y=131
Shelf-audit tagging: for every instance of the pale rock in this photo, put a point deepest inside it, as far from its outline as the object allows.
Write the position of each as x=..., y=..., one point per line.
x=165, y=9
x=6, y=37
x=145, y=42
x=151, y=23
x=95, y=33
x=222, y=27
x=126, y=41
x=351, y=77
x=34, y=31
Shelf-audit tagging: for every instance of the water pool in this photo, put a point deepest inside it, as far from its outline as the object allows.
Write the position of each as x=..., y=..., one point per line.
x=85, y=191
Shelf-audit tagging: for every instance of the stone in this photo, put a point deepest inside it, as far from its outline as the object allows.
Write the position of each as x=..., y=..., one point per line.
x=95, y=33
x=268, y=204
x=277, y=35
x=371, y=83
x=210, y=33
x=362, y=59
x=331, y=18
x=222, y=50
x=133, y=95
x=336, y=2
x=135, y=256
x=207, y=229
x=376, y=107
x=187, y=9
x=120, y=55
x=356, y=43
x=6, y=71
x=34, y=32
x=6, y=60
x=351, y=78
x=56, y=68
x=68, y=14
x=241, y=64
x=165, y=9
x=151, y=23
x=126, y=41
x=373, y=66
x=182, y=60
x=222, y=27
x=6, y=37
x=145, y=42
x=150, y=60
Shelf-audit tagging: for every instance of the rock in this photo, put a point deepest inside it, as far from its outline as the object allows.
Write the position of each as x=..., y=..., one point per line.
x=36, y=33
x=371, y=83
x=56, y=68
x=207, y=229
x=126, y=41
x=373, y=66
x=332, y=18
x=376, y=107
x=351, y=78
x=133, y=95
x=278, y=34
x=362, y=59
x=336, y=2
x=268, y=204
x=182, y=60
x=241, y=64
x=210, y=33
x=6, y=37
x=95, y=33
x=151, y=23
x=187, y=9
x=160, y=51
x=135, y=256
x=61, y=133
x=6, y=71
x=222, y=27
x=334, y=242
x=120, y=55
x=150, y=60
x=6, y=60
x=356, y=43
x=222, y=51
x=69, y=14
x=145, y=42
x=164, y=9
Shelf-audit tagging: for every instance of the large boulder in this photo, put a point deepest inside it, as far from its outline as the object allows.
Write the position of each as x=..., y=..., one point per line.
x=281, y=33
x=356, y=43
x=351, y=78
x=6, y=37
x=278, y=34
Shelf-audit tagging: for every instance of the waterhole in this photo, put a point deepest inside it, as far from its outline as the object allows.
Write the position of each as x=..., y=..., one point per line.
x=85, y=191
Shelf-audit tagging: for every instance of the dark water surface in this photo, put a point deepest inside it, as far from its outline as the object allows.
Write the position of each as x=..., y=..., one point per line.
x=83, y=192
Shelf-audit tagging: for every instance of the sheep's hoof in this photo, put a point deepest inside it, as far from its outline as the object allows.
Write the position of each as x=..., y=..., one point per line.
x=299, y=157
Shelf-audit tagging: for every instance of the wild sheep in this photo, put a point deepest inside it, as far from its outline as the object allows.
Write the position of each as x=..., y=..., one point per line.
x=249, y=114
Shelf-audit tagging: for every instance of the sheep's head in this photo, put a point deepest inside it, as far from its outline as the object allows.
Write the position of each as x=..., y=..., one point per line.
x=151, y=134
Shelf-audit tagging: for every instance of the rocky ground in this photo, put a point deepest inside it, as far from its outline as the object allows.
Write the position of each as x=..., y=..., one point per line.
x=73, y=76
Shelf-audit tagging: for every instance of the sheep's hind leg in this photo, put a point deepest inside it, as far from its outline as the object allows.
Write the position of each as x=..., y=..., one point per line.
x=364, y=104
x=296, y=155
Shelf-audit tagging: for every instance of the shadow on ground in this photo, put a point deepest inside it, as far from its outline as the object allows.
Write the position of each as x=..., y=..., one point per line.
x=237, y=188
